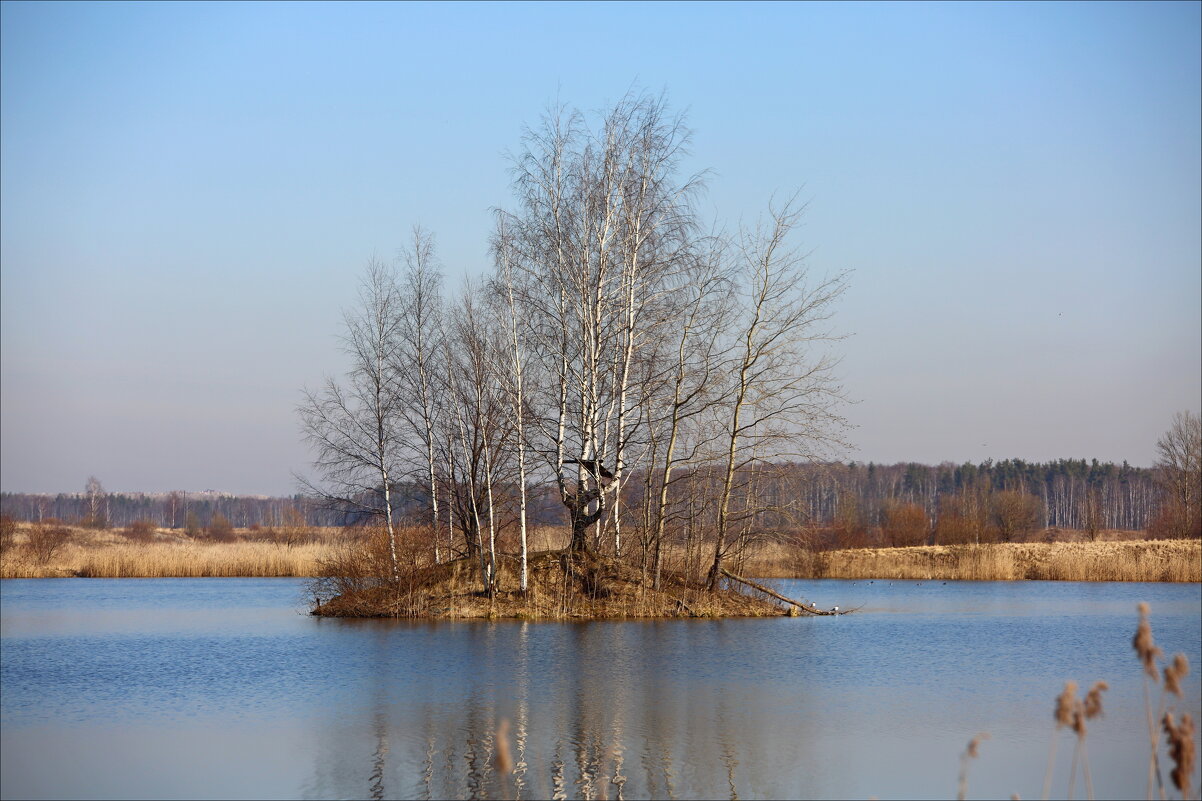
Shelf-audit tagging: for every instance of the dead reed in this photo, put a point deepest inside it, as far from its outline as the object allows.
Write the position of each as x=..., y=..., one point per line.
x=1181, y=750
x=1132, y=560
x=1071, y=712
x=1180, y=736
x=165, y=553
x=970, y=753
x=109, y=554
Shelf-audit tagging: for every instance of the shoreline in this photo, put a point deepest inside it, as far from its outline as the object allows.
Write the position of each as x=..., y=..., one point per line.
x=1172, y=561
x=108, y=555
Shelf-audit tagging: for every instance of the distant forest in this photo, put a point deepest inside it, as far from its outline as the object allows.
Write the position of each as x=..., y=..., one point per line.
x=863, y=500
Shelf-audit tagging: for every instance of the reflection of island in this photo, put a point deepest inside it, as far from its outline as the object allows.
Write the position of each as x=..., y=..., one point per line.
x=593, y=711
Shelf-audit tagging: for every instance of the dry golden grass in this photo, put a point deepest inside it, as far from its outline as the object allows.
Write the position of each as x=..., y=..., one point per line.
x=1132, y=560
x=108, y=554
x=562, y=586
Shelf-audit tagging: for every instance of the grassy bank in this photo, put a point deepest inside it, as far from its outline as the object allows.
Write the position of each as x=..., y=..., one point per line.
x=1132, y=560
x=562, y=586
x=109, y=554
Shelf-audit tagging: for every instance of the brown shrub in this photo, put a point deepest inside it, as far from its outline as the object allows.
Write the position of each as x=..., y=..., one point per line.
x=8, y=530
x=905, y=524
x=1014, y=514
x=140, y=531
x=294, y=530
x=952, y=528
x=1172, y=522
x=45, y=539
x=220, y=529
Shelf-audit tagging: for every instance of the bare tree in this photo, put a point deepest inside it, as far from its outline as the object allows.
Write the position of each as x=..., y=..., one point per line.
x=688, y=385
x=479, y=412
x=904, y=524
x=354, y=428
x=419, y=352
x=783, y=397
x=503, y=251
x=97, y=507
x=600, y=222
x=1093, y=517
x=1180, y=464
x=174, y=502
x=292, y=530
x=1014, y=514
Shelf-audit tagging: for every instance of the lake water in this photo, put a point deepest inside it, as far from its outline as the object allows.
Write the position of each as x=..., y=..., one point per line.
x=212, y=688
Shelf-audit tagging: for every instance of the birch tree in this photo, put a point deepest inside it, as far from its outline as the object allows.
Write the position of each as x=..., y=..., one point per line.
x=689, y=385
x=354, y=426
x=503, y=250
x=783, y=396
x=1179, y=452
x=599, y=223
x=419, y=355
x=97, y=498
x=482, y=424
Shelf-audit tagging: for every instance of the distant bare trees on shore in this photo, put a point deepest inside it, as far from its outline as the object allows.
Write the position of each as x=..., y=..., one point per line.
x=1180, y=464
x=840, y=503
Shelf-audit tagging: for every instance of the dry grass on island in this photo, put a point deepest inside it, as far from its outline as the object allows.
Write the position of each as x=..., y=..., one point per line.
x=561, y=586
x=164, y=553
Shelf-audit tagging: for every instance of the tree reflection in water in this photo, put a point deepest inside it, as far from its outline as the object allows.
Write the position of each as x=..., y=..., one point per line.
x=569, y=692
x=134, y=701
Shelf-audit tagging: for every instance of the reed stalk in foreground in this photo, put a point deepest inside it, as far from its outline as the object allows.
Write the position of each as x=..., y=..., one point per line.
x=1181, y=749
x=1072, y=713
x=969, y=753
x=1180, y=735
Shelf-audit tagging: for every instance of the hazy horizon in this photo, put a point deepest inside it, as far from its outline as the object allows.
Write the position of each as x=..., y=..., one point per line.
x=189, y=194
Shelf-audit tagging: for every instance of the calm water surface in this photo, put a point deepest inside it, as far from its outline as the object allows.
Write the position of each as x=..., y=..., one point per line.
x=210, y=688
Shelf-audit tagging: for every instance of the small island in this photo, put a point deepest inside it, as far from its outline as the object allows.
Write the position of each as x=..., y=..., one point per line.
x=562, y=585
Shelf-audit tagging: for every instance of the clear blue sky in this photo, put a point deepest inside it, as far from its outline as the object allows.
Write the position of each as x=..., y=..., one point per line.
x=190, y=191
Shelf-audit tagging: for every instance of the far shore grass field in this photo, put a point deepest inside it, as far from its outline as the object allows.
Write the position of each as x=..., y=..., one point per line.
x=1116, y=556
x=1128, y=560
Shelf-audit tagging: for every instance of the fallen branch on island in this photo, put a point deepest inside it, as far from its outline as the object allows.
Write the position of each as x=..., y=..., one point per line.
x=808, y=609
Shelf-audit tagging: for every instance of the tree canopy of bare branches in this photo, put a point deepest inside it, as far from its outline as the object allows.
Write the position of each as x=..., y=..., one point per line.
x=643, y=364
x=354, y=426
x=1180, y=462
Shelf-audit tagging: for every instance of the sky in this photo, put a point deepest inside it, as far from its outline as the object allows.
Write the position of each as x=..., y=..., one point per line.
x=190, y=192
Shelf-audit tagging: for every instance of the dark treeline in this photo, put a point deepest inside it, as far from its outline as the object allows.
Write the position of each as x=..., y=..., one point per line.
x=172, y=510
x=1068, y=493
x=166, y=510
x=1072, y=493
x=866, y=504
